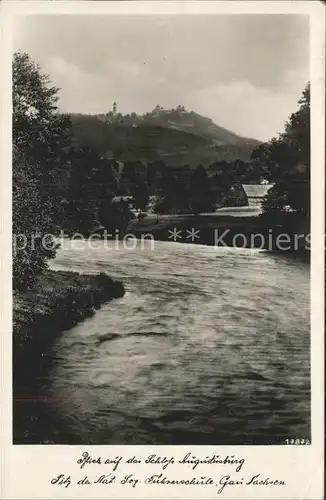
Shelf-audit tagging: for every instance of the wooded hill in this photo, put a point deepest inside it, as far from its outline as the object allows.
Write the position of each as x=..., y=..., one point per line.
x=176, y=137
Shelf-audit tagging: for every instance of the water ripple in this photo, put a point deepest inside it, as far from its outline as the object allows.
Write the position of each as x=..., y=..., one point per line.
x=208, y=346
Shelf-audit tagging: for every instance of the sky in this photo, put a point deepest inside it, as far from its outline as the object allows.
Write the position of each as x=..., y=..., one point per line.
x=246, y=72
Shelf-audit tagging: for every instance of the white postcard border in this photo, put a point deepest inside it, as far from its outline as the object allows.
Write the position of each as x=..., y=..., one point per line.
x=26, y=470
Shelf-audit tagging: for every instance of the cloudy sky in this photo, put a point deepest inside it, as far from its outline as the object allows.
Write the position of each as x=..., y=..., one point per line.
x=246, y=72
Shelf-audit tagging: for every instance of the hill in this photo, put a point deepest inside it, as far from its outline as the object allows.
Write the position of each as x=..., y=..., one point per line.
x=176, y=137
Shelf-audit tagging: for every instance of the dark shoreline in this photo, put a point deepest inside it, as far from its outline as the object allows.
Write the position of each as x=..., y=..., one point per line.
x=58, y=301
x=208, y=230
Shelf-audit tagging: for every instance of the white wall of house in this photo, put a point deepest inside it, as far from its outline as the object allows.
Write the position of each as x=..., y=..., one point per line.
x=255, y=202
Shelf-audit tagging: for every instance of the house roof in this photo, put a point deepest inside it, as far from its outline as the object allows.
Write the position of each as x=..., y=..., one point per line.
x=117, y=199
x=256, y=190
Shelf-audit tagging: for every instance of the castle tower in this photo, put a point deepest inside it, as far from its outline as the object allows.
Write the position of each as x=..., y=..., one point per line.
x=114, y=109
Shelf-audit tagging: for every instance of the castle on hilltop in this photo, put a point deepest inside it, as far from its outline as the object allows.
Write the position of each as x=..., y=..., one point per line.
x=158, y=110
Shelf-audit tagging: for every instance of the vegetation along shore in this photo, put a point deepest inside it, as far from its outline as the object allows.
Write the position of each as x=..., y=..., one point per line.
x=57, y=301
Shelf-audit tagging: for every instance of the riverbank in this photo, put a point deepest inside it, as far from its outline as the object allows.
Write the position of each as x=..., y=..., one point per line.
x=203, y=229
x=57, y=302
x=226, y=230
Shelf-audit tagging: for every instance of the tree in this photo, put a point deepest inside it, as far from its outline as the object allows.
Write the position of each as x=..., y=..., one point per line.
x=172, y=190
x=161, y=206
x=140, y=194
x=155, y=172
x=39, y=130
x=199, y=192
x=92, y=184
x=30, y=221
x=40, y=136
x=287, y=159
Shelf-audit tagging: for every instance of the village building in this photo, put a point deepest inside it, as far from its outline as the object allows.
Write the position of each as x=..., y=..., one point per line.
x=122, y=199
x=129, y=202
x=255, y=193
x=126, y=201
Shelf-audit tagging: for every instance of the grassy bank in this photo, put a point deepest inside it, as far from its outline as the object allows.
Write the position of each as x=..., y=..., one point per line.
x=58, y=301
x=205, y=227
x=242, y=231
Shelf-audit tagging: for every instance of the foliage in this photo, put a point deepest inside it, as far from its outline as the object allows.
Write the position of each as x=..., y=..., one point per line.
x=155, y=172
x=140, y=194
x=161, y=206
x=39, y=130
x=173, y=191
x=31, y=220
x=40, y=135
x=287, y=159
x=90, y=189
x=200, y=198
x=116, y=217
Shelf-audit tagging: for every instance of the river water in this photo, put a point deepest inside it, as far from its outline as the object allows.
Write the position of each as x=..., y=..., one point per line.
x=211, y=346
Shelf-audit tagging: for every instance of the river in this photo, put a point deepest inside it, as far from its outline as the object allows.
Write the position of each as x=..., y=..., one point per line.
x=212, y=347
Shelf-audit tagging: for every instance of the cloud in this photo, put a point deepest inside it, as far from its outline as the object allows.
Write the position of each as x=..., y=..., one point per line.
x=246, y=72
x=238, y=106
x=252, y=111
x=80, y=91
x=133, y=86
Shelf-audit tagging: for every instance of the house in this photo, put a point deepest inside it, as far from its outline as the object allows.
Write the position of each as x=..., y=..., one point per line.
x=255, y=193
x=126, y=202
x=122, y=199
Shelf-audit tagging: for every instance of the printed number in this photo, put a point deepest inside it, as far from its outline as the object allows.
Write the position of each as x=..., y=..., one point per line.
x=297, y=441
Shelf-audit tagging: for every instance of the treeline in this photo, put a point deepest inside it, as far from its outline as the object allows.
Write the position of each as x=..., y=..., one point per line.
x=186, y=190
x=91, y=182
